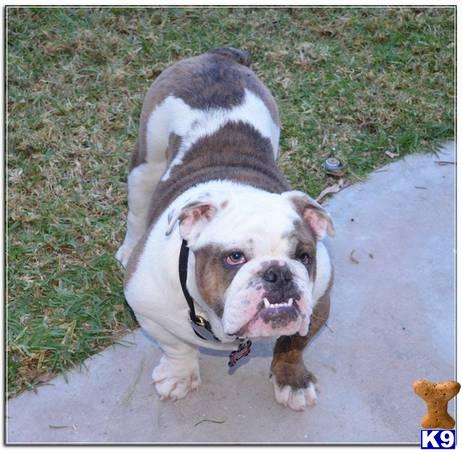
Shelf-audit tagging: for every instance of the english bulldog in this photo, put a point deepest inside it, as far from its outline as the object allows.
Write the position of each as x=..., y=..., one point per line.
x=218, y=248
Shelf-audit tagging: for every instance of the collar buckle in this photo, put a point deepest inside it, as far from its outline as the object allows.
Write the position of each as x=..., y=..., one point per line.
x=200, y=321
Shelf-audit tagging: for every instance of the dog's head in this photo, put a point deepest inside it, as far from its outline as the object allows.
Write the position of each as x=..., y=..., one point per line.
x=255, y=258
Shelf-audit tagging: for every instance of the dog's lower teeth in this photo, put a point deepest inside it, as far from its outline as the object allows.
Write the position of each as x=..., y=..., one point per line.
x=277, y=305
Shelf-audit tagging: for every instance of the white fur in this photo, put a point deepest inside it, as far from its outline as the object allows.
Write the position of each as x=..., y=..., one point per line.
x=178, y=370
x=176, y=381
x=247, y=212
x=173, y=115
x=153, y=290
x=296, y=399
x=141, y=183
x=323, y=271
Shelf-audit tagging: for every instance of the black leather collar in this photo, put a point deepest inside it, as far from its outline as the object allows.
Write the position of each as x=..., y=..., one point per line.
x=200, y=325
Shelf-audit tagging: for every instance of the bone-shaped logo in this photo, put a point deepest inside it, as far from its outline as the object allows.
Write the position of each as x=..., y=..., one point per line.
x=437, y=396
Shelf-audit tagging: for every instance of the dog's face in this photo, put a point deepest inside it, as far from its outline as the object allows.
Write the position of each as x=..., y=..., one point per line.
x=255, y=258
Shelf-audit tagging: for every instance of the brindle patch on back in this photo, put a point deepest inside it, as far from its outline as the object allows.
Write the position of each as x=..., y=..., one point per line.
x=212, y=277
x=216, y=79
x=245, y=156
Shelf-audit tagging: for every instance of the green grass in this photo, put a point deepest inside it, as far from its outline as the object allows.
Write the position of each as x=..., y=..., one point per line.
x=354, y=82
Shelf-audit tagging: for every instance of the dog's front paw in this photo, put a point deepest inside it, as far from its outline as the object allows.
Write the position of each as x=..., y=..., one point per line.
x=175, y=381
x=293, y=386
x=296, y=399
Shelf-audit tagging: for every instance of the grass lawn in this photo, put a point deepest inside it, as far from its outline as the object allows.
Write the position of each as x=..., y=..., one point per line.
x=354, y=82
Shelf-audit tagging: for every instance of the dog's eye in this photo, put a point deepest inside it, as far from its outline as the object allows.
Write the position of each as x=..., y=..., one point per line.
x=235, y=258
x=306, y=259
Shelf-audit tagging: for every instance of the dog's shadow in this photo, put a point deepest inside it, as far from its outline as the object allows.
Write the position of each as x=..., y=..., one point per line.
x=260, y=349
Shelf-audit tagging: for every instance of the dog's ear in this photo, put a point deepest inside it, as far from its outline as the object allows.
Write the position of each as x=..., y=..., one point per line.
x=312, y=213
x=193, y=216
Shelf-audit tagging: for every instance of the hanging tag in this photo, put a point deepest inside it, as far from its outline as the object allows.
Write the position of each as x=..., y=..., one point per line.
x=241, y=352
x=202, y=330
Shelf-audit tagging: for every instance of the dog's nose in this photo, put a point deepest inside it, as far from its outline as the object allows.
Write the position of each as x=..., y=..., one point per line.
x=278, y=275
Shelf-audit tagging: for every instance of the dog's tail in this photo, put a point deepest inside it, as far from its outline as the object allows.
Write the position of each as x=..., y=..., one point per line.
x=240, y=56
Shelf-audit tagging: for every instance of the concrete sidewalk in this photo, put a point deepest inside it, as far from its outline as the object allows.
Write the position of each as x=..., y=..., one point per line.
x=392, y=322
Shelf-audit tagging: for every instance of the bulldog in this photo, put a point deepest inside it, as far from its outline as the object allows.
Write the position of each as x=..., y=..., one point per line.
x=218, y=248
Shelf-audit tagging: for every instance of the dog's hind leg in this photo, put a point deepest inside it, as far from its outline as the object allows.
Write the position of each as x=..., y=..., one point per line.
x=142, y=181
x=149, y=161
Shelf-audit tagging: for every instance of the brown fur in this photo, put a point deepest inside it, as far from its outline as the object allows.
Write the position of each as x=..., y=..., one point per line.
x=244, y=156
x=135, y=256
x=305, y=243
x=212, y=277
x=174, y=143
x=241, y=56
x=287, y=364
